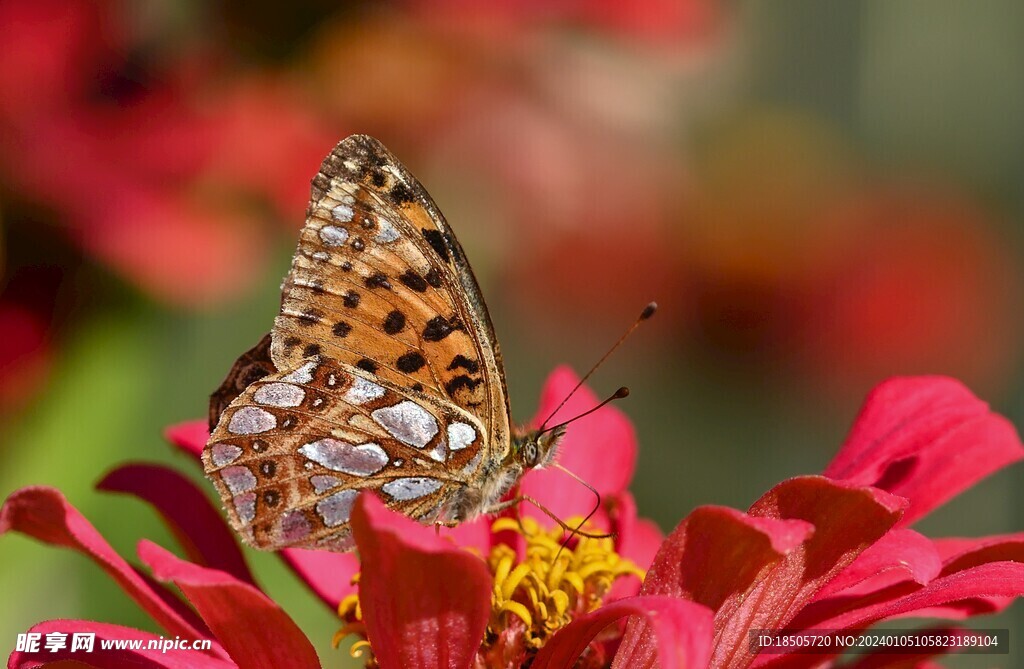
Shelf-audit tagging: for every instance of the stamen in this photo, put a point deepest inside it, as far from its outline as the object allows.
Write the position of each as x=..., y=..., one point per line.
x=533, y=598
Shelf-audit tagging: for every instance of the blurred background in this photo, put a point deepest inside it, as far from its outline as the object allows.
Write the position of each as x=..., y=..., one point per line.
x=819, y=195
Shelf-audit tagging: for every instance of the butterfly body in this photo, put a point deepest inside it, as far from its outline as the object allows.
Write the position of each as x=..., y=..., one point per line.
x=382, y=372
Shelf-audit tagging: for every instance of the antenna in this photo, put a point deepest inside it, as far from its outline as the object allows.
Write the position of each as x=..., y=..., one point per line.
x=621, y=392
x=617, y=395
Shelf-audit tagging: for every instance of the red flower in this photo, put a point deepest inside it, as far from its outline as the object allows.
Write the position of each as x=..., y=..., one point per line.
x=831, y=551
x=245, y=628
x=814, y=552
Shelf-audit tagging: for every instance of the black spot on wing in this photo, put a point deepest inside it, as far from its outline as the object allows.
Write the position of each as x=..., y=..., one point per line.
x=351, y=299
x=341, y=329
x=410, y=362
x=460, y=382
x=437, y=329
x=394, y=322
x=471, y=366
x=433, y=278
x=378, y=280
x=437, y=242
x=401, y=193
x=311, y=350
x=367, y=365
x=413, y=281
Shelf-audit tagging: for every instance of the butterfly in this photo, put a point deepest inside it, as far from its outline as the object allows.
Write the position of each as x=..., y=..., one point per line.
x=381, y=373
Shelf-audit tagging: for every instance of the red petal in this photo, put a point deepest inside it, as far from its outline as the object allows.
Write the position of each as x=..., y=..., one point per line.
x=898, y=556
x=682, y=634
x=254, y=630
x=846, y=519
x=713, y=558
x=957, y=595
x=425, y=601
x=195, y=523
x=926, y=439
x=636, y=538
x=44, y=514
x=328, y=575
x=113, y=659
x=959, y=554
x=190, y=437
x=600, y=449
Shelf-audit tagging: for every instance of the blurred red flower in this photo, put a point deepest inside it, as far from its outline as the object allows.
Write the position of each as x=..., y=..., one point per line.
x=147, y=157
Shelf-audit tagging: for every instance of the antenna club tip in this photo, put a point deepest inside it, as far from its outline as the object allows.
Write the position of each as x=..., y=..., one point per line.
x=621, y=392
x=648, y=311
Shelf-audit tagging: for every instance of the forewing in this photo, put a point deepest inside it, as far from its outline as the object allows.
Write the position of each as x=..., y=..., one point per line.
x=291, y=453
x=379, y=282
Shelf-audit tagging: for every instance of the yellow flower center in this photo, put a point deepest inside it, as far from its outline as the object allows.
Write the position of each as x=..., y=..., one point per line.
x=552, y=585
x=533, y=598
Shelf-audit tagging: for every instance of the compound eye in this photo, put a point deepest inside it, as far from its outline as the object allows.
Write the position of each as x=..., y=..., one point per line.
x=530, y=451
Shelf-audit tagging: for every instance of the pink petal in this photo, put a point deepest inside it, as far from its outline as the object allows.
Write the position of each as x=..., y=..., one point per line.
x=636, y=538
x=959, y=554
x=926, y=439
x=425, y=601
x=600, y=449
x=328, y=575
x=44, y=514
x=955, y=596
x=190, y=437
x=846, y=519
x=113, y=659
x=254, y=630
x=195, y=523
x=681, y=640
x=898, y=556
x=713, y=558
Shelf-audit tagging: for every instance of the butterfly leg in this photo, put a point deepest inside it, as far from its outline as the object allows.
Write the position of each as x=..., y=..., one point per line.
x=501, y=506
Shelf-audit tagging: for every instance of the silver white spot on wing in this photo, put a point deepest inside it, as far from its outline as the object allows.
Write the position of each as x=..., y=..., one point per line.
x=363, y=391
x=335, y=509
x=303, y=374
x=332, y=235
x=320, y=255
x=342, y=213
x=408, y=422
x=251, y=420
x=460, y=435
x=439, y=452
x=411, y=488
x=293, y=527
x=280, y=395
x=387, y=232
x=341, y=456
x=224, y=454
x=323, y=482
x=245, y=506
x=238, y=479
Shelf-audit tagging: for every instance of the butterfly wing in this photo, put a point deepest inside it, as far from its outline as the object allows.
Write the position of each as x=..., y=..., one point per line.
x=250, y=367
x=292, y=451
x=379, y=282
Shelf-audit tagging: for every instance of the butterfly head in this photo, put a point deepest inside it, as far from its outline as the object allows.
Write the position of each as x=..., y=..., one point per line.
x=535, y=449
